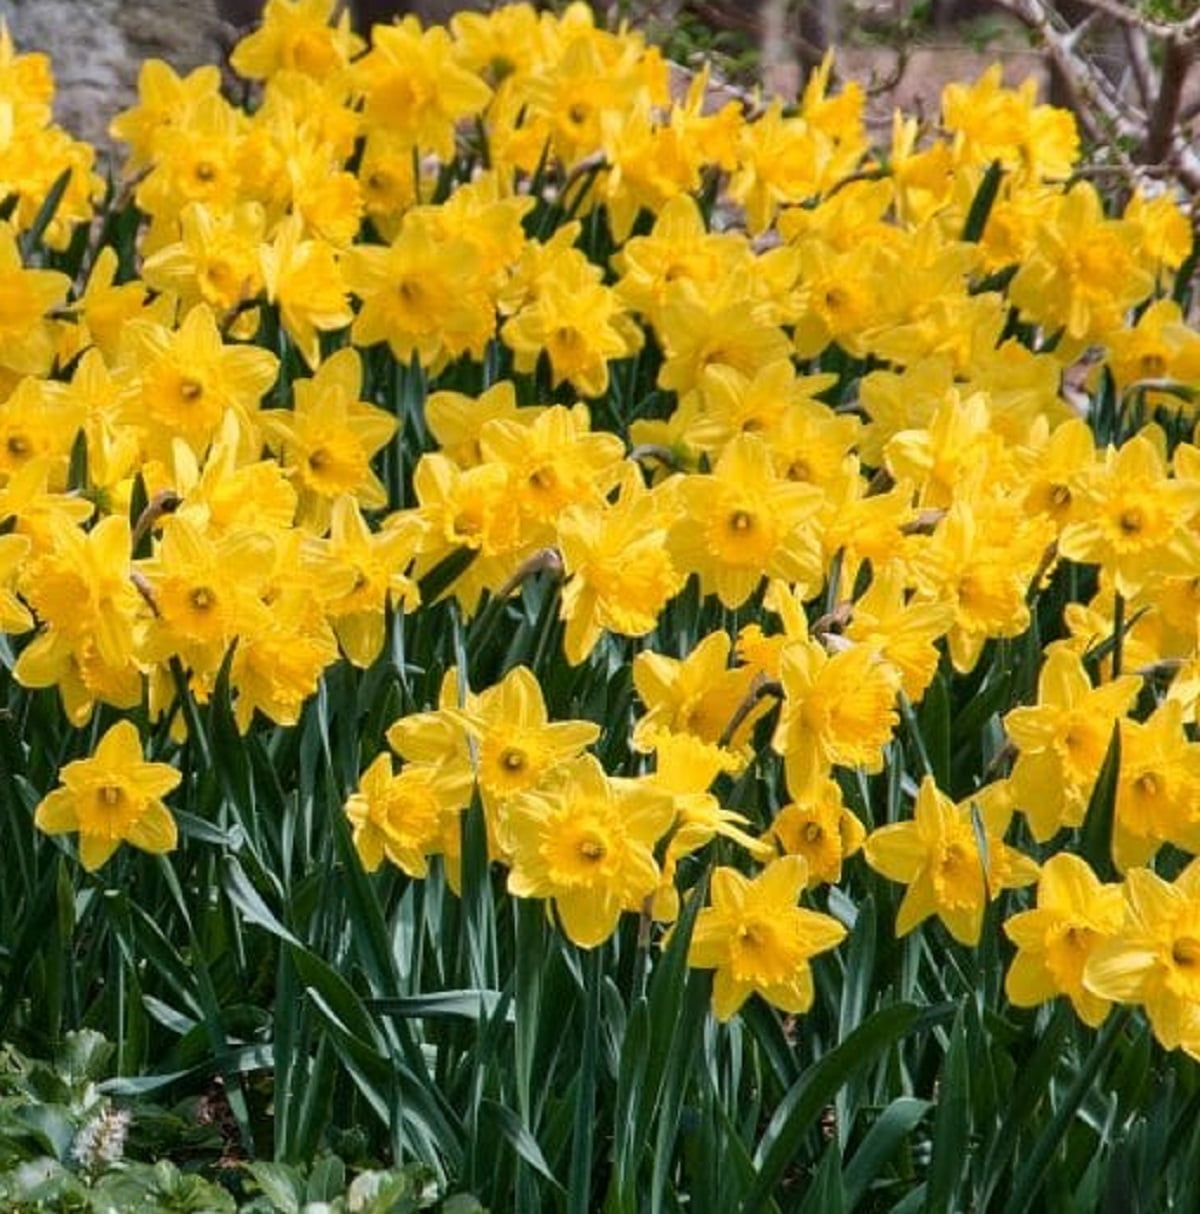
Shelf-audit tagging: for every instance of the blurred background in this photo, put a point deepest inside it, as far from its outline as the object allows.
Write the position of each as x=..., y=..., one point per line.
x=903, y=51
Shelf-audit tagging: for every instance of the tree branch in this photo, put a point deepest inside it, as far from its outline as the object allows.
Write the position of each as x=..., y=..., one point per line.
x=1139, y=61
x=1164, y=118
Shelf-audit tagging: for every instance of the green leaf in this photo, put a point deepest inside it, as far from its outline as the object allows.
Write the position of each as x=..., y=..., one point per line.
x=826, y=1193
x=1095, y=844
x=934, y=725
x=445, y=573
x=948, y=1167
x=31, y=238
x=337, y=996
x=680, y=1060
x=51, y=1125
x=327, y=1180
x=85, y=1054
x=819, y=1084
x=29, y=942
x=280, y=1184
x=239, y=1060
x=250, y=902
x=981, y=204
x=1030, y=1175
x=858, y=985
x=466, y=1004
x=880, y=1144
x=1034, y=1078
x=517, y=1134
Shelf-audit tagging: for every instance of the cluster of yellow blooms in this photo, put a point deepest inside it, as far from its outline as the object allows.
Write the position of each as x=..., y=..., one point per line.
x=930, y=507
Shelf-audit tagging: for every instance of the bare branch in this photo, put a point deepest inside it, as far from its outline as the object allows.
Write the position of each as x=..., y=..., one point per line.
x=1132, y=18
x=1139, y=60
x=1164, y=118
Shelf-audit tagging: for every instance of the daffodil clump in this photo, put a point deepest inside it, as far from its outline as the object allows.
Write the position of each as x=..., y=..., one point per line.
x=694, y=519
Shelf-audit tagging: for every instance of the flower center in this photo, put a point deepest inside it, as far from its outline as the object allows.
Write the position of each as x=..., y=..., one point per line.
x=749, y=936
x=1147, y=784
x=592, y=849
x=1185, y=952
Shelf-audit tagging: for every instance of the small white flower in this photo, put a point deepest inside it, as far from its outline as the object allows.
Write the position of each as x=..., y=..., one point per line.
x=101, y=1142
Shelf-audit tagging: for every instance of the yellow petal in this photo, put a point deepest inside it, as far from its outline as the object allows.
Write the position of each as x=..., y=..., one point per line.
x=56, y=814
x=1120, y=970
x=897, y=851
x=588, y=917
x=94, y=850
x=155, y=830
x=728, y=994
x=1028, y=982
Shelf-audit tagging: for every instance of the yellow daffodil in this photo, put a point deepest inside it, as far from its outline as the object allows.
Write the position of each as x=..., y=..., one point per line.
x=191, y=377
x=112, y=798
x=619, y=572
x=758, y=940
x=379, y=562
x=1134, y=518
x=580, y=326
x=555, y=460
x=26, y=296
x=297, y=36
x=981, y=557
x=686, y=768
x=1083, y=273
x=839, y=710
x=820, y=828
x=742, y=523
x=1062, y=740
x=588, y=845
x=412, y=86
x=425, y=296
x=1075, y=913
x=327, y=439
x=399, y=815
x=518, y=745
x=1158, y=788
x=937, y=855
x=698, y=694
x=1153, y=960
x=903, y=632
x=992, y=122
x=304, y=277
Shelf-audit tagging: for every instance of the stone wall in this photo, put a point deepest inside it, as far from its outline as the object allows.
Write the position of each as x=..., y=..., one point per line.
x=97, y=45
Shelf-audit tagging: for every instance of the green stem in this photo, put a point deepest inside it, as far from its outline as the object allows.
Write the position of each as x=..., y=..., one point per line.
x=579, y=1189
x=1118, y=631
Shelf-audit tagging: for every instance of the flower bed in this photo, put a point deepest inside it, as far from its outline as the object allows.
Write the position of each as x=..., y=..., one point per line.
x=612, y=652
